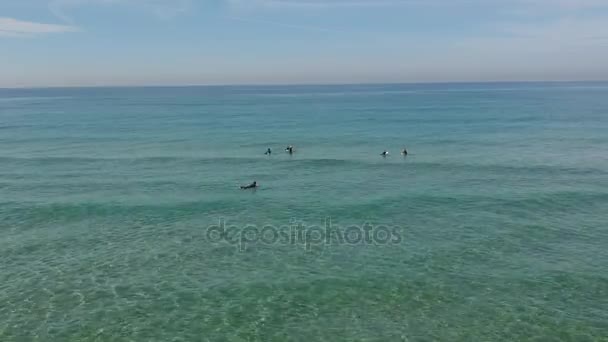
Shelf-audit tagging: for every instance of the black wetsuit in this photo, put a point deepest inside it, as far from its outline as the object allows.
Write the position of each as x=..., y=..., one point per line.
x=250, y=186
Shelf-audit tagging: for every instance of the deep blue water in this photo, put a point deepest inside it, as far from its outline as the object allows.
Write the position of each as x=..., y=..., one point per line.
x=494, y=227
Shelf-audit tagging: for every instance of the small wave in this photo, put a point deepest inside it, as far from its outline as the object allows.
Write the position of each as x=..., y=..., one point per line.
x=326, y=162
x=543, y=203
x=31, y=213
x=156, y=159
x=33, y=98
x=339, y=93
x=500, y=169
x=16, y=126
x=323, y=162
x=537, y=203
x=533, y=170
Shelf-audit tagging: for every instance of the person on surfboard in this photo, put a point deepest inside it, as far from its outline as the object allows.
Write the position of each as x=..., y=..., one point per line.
x=250, y=186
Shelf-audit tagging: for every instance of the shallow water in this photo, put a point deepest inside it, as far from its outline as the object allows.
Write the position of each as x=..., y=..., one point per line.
x=494, y=227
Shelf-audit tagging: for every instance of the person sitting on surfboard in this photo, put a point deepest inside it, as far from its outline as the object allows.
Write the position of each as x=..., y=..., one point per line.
x=268, y=151
x=250, y=186
x=289, y=149
x=404, y=152
x=384, y=154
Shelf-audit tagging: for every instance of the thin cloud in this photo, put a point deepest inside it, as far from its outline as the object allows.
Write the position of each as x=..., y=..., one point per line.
x=10, y=27
x=570, y=4
x=279, y=24
x=163, y=9
x=318, y=4
x=328, y=4
x=565, y=31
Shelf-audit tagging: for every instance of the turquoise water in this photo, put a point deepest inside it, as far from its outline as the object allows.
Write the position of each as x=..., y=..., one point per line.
x=493, y=228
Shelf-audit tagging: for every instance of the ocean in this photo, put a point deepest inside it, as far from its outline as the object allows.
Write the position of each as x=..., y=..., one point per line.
x=121, y=217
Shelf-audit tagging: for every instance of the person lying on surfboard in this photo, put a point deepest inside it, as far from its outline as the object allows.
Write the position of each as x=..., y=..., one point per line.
x=384, y=154
x=250, y=186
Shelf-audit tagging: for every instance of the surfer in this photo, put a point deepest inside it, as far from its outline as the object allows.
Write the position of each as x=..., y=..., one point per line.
x=404, y=152
x=268, y=151
x=250, y=186
x=384, y=154
x=289, y=149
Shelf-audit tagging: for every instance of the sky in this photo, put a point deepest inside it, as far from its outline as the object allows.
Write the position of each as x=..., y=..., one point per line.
x=187, y=42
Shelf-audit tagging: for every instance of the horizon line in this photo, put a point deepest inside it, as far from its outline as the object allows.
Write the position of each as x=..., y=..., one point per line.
x=295, y=84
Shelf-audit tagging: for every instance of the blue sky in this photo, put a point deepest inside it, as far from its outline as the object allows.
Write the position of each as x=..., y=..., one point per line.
x=180, y=42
